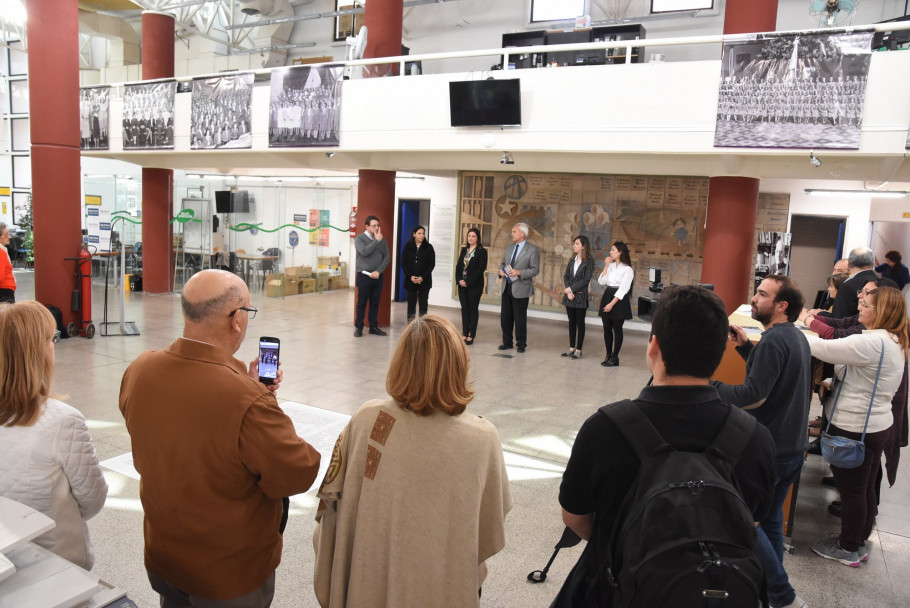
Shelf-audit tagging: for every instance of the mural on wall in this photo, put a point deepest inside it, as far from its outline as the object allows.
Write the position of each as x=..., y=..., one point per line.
x=660, y=218
x=793, y=90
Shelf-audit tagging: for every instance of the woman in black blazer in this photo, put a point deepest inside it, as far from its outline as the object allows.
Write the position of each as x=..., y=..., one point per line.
x=418, y=258
x=470, y=272
x=578, y=275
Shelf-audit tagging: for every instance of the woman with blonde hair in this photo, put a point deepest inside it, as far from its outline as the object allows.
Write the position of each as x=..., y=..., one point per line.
x=414, y=500
x=868, y=369
x=49, y=462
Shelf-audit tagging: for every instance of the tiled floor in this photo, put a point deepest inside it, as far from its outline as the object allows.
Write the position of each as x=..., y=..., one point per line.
x=537, y=400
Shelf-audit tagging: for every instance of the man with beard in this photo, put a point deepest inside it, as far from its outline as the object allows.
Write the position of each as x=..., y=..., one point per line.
x=777, y=391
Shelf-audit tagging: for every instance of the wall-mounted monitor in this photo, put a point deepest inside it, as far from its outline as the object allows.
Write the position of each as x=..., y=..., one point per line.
x=485, y=103
x=232, y=202
x=223, y=201
x=673, y=6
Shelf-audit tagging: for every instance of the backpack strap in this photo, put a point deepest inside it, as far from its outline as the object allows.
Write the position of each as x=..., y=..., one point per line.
x=733, y=436
x=636, y=427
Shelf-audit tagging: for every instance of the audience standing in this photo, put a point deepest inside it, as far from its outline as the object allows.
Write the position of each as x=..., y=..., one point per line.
x=893, y=268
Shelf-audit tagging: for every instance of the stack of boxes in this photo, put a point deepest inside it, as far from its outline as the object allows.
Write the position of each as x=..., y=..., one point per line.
x=330, y=274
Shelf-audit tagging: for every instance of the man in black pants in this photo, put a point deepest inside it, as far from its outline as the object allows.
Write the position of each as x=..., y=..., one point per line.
x=520, y=264
x=372, y=259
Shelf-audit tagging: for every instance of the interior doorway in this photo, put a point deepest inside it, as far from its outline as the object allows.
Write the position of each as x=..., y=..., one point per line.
x=412, y=212
x=816, y=244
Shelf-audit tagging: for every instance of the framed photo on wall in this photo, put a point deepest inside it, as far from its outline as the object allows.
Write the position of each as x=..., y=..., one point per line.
x=347, y=25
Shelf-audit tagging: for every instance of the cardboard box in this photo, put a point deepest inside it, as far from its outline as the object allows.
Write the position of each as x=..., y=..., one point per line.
x=343, y=268
x=274, y=285
x=294, y=271
x=305, y=272
x=291, y=286
x=308, y=286
x=322, y=283
x=338, y=282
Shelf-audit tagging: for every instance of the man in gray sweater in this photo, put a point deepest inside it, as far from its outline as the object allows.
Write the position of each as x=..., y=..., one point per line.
x=372, y=259
x=777, y=391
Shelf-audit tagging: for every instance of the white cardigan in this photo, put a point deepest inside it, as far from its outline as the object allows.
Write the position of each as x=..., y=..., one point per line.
x=860, y=354
x=51, y=466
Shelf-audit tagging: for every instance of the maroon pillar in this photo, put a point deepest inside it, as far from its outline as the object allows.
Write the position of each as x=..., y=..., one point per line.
x=376, y=190
x=53, y=67
x=733, y=201
x=157, y=184
x=375, y=196
x=729, y=237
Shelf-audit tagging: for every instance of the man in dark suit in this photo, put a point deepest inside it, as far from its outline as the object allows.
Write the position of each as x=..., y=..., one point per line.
x=861, y=262
x=520, y=264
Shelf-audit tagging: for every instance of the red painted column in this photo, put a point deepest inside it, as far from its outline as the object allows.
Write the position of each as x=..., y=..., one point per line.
x=376, y=190
x=729, y=236
x=157, y=184
x=376, y=196
x=733, y=201
x=53, y=73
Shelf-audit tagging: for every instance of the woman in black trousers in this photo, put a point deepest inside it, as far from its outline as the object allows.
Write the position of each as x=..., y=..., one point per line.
x=469, y=272
x=417, y=261
x=616, y=303
x=576, y=279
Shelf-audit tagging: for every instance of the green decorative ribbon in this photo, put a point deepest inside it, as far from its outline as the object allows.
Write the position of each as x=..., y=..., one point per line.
x=243, y=227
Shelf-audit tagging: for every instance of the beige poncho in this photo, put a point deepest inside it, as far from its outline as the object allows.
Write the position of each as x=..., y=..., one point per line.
x=411, y=507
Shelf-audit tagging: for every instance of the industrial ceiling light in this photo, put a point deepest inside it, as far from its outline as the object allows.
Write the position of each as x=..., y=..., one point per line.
x=814, y=160
x=507, y=159
x=857, y=193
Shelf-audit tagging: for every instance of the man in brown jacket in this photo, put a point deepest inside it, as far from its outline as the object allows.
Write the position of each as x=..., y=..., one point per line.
x=216, y=455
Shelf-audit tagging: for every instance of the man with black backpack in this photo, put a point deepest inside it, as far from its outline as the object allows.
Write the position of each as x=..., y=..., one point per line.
x=666, y=488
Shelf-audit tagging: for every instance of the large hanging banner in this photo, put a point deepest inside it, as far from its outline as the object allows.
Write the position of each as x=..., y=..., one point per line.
x=221, y=112
x=94, y=118
x=305, y=107
x=793, y=91
x=148, y=116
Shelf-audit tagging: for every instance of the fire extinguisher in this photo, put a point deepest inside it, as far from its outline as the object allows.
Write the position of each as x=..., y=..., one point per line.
x=353, y=225
x=85, y=285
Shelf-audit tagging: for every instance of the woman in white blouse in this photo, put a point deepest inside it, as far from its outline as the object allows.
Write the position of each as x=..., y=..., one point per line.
x=48, y=460
x=856, y=360
x=615, y=305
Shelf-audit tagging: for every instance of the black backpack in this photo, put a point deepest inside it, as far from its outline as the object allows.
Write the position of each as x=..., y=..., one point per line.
x=687, y=537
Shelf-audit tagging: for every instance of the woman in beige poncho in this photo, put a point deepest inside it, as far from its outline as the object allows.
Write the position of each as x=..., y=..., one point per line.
x=415, y=498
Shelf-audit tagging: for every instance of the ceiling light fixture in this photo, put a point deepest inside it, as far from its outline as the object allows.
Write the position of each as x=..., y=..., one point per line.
x=857, y=193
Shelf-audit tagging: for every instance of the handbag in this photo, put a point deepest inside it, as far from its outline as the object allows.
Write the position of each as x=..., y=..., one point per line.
x=842, y=452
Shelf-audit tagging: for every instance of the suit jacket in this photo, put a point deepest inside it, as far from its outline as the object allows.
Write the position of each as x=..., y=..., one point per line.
x=476, y=268
x=418, y=262
x=578, y=282
x=846, y=304
x=528, y=262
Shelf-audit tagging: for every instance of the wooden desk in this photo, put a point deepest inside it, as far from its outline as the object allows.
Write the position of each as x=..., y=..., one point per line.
x=246, y=258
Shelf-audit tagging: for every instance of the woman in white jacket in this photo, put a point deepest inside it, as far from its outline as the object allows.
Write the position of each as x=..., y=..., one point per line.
x=856, y=360
x=47, y=460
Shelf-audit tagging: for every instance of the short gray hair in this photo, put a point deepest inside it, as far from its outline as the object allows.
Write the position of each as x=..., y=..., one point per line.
x=861, y=257
x=525, y=229
x=2, y=227
x=197, y=312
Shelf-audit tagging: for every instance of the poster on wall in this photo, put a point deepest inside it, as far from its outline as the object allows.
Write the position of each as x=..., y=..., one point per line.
x=98, y=226
x=793, y=91
x=772, y=255
x=314, y=222
x=148, y=116
x=94, y=118
x=325, y=217
x=221, y=112
x=305, y=107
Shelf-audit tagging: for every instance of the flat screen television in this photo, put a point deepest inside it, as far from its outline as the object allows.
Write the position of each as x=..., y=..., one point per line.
x=232, y=202
x=223, y=201
x=485, y=103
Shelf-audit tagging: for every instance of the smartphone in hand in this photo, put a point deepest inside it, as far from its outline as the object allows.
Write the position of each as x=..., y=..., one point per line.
x=268, y=359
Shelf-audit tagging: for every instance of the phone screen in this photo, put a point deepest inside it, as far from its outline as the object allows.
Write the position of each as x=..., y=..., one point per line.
x=268, y=359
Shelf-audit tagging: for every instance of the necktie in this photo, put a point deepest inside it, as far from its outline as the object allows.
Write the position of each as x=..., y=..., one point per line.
x=514, y=255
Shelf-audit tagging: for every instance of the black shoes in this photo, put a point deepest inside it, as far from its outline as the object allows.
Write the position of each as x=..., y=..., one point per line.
x=829, y=481
x=505, y=347
x=358, y=333
x=815, y=447
x=834, y=508
x=610, y=362
x=521, y=349
x=375, y=331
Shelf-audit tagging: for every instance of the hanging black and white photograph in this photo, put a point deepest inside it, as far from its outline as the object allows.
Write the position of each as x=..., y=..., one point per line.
x=221, y=113
x=148, y=116
x=305, y=107
x=772, y=255
x=793, y=91
x=94, y=118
